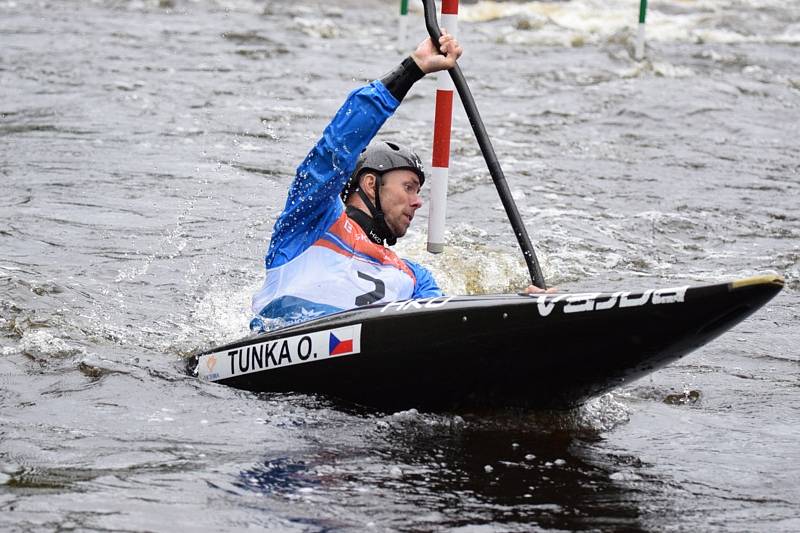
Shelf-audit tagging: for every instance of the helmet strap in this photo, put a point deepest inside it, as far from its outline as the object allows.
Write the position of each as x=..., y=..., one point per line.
x=376, y=227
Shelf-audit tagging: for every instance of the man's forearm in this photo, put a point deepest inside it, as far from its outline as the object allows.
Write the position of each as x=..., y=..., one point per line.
x=400, y=79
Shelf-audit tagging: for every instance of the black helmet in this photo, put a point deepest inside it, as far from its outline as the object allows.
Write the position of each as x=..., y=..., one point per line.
x=381, y=157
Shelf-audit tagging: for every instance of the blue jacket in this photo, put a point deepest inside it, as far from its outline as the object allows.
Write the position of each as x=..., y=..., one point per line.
x=320, y=261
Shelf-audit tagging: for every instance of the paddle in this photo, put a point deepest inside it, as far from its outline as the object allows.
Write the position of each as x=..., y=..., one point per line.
x=488, y=153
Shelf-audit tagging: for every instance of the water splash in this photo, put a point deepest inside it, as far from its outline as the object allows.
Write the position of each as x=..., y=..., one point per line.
x=43, y=345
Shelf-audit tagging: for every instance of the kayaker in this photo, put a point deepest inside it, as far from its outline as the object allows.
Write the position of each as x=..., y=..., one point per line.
x=328, y=250
x=325, y=256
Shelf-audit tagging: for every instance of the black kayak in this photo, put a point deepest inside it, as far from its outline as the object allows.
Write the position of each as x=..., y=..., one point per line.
x=508, y=350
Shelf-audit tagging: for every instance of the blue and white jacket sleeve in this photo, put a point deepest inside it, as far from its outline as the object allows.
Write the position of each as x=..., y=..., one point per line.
x=426, y=286
x=313, y=203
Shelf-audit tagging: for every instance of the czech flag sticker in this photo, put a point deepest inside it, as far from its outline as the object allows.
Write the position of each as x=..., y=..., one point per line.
x=344, y=341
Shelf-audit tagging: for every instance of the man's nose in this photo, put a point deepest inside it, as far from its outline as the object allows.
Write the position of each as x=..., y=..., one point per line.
x=416, y=201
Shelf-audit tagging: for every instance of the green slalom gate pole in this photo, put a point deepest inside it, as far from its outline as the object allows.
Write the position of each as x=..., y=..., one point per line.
x=639, y=53
x=402, y=33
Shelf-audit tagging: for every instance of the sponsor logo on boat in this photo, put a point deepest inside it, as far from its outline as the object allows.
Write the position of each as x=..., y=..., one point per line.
x=279, y=353
x=595, y=301
x=422, y=303
x=211, y=362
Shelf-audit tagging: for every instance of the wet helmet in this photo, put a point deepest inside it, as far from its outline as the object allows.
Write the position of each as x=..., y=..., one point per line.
x=381, y=157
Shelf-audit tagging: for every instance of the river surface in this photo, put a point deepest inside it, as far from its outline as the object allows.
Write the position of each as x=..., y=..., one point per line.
x=145, y=151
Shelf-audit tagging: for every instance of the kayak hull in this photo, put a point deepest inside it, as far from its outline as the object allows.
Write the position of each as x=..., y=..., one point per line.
x=531, y=351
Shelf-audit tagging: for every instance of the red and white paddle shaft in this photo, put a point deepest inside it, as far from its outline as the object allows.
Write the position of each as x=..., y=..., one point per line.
x=442, y=122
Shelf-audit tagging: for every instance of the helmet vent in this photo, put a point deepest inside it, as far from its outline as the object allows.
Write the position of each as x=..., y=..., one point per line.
x=393, y=146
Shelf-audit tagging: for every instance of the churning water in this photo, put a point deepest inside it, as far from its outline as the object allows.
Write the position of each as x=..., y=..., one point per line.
x=145, y=150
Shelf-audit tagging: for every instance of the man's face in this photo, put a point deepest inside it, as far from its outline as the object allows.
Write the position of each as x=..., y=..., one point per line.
x=400, y=199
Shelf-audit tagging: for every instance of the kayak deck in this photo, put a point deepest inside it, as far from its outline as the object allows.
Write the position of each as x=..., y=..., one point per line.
x=546, y=350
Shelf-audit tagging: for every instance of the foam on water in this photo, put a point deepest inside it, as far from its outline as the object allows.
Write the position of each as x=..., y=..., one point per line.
x=468, y=265
x=43, y=344
x=585, y=22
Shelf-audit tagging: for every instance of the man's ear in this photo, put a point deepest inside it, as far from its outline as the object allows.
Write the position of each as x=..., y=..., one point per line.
x=367, y=184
